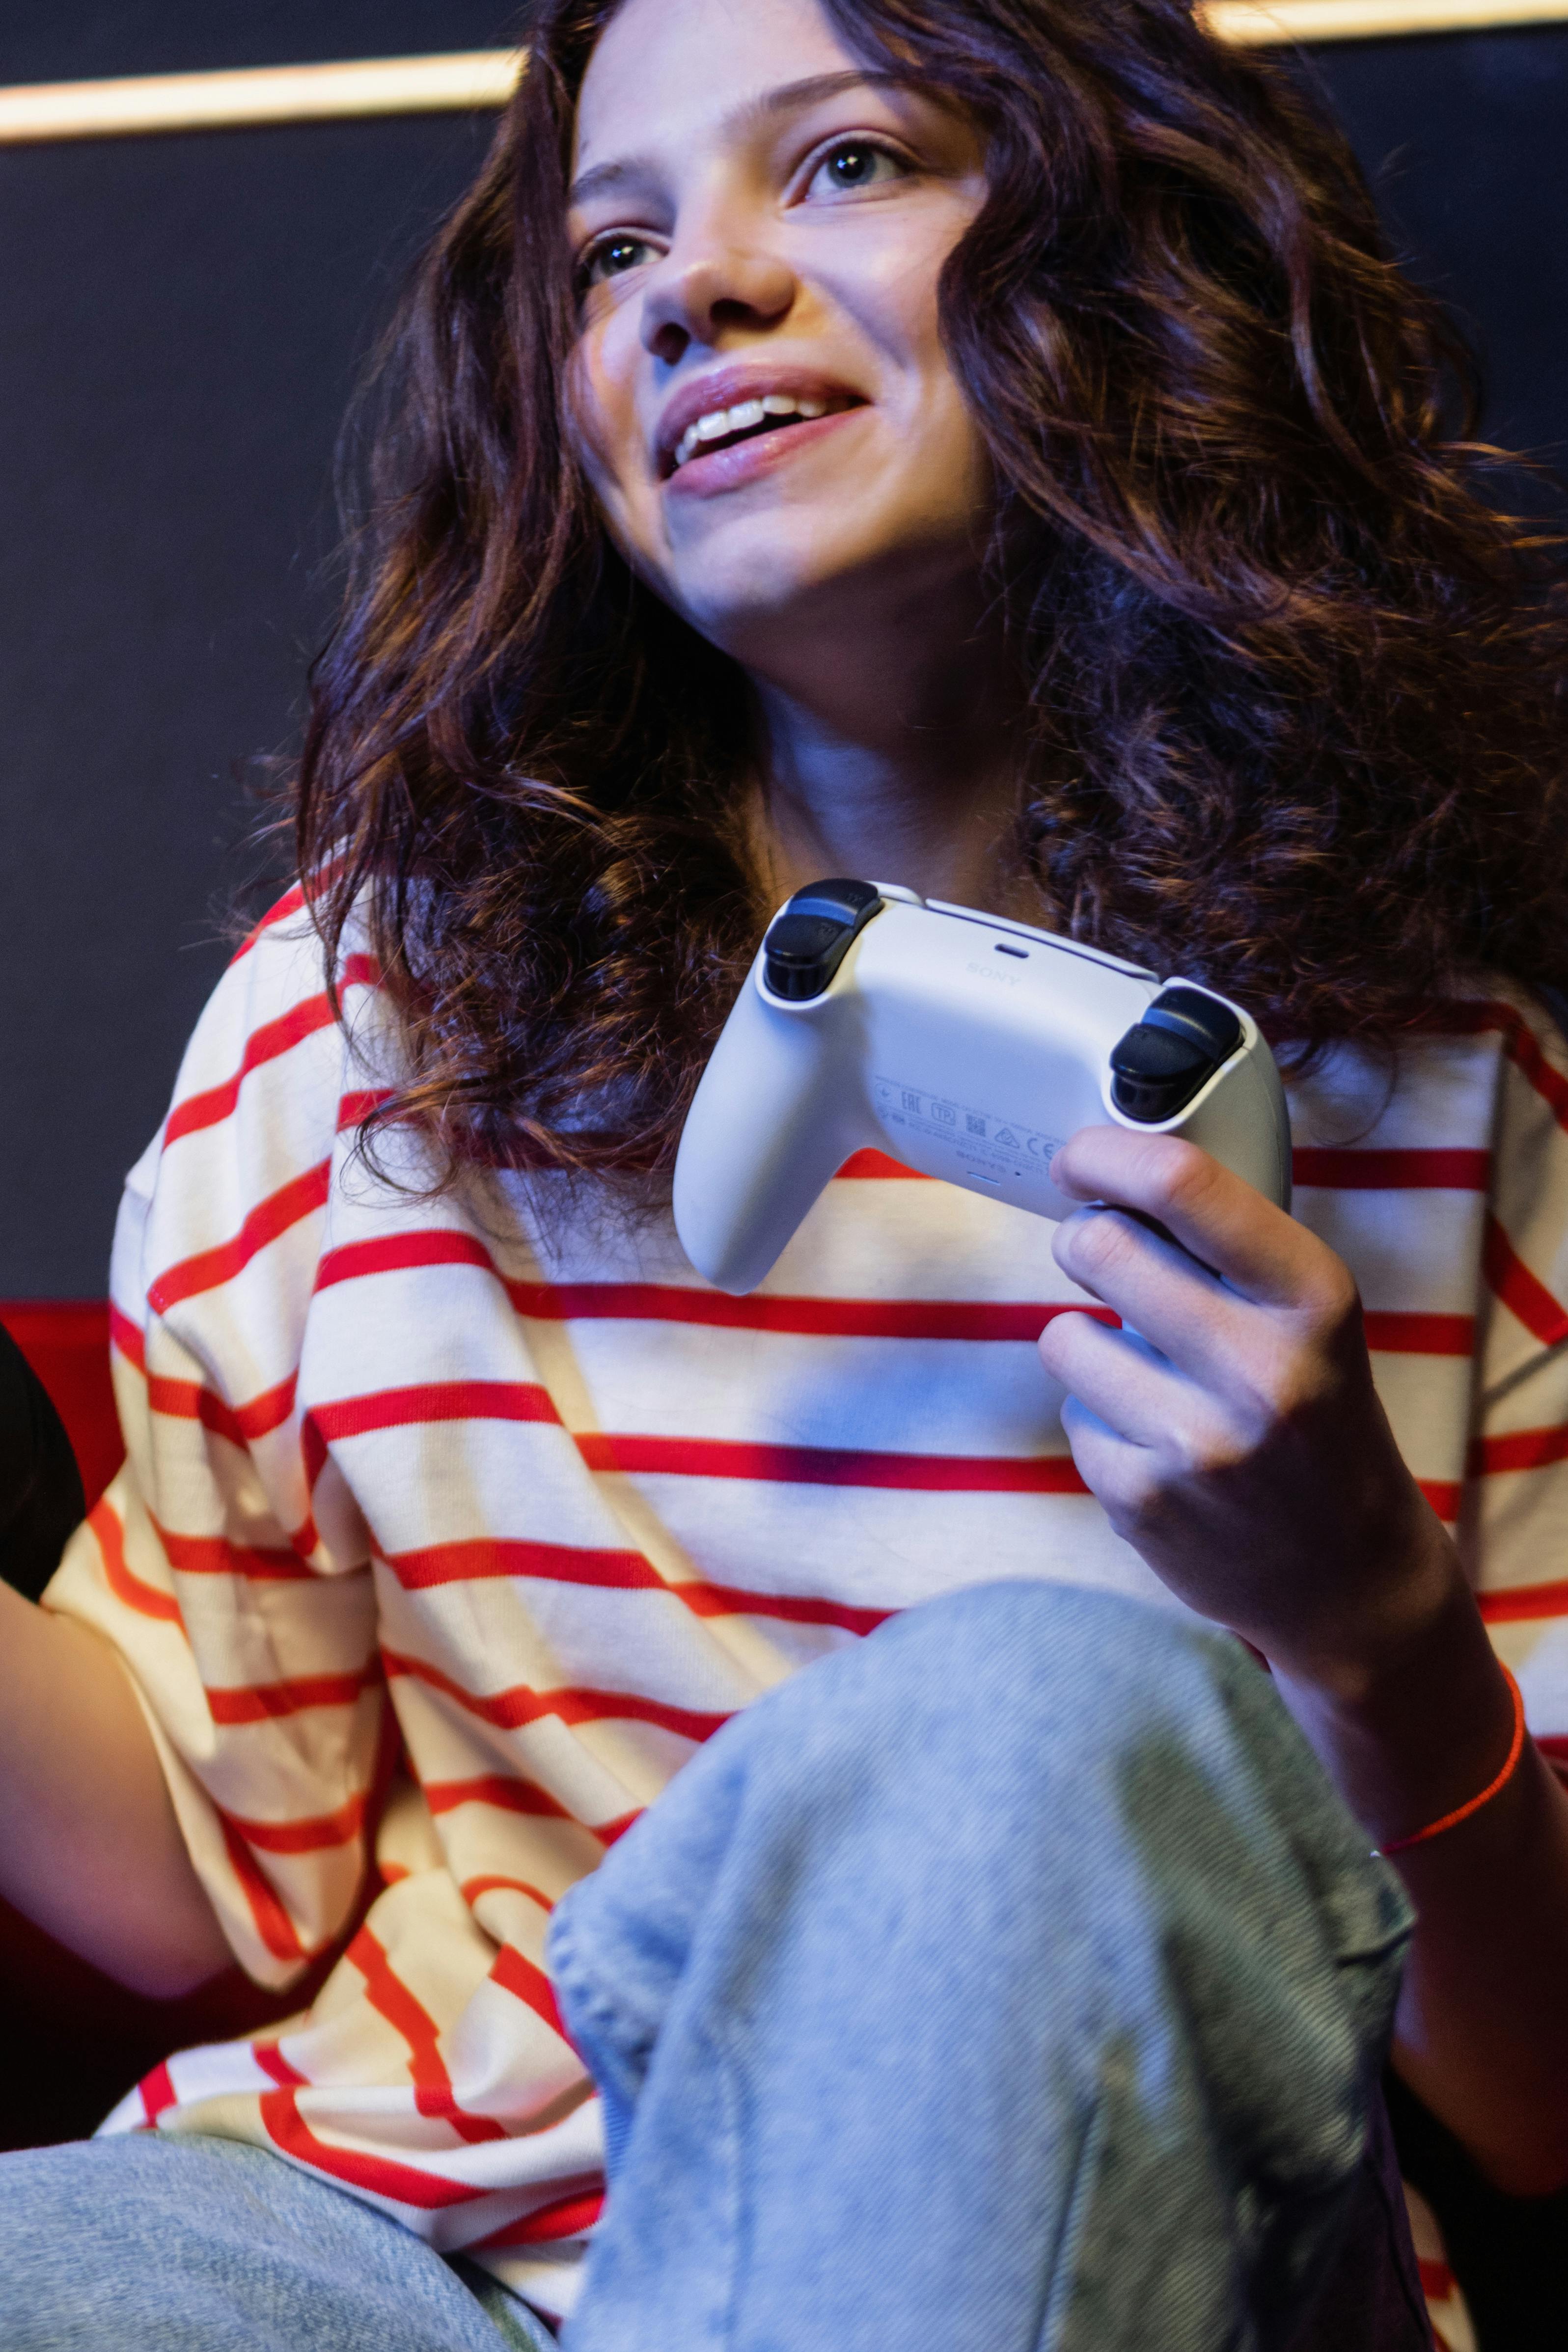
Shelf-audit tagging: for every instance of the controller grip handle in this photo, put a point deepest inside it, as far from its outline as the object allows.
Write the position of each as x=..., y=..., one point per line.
x=762, y=1137
x=1242, y=1121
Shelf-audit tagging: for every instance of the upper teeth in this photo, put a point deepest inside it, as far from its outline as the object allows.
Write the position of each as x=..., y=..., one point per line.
x=743, y=418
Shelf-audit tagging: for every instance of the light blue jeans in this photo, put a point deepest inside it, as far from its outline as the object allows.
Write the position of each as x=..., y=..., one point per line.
x=150, y=2243
x=1014, y=1979
x=1011, y=1982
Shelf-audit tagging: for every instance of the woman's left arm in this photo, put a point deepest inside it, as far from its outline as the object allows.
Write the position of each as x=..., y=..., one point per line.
x=1240, y=1445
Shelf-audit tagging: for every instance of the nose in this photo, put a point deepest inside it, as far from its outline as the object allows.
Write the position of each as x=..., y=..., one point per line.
x=713, y=284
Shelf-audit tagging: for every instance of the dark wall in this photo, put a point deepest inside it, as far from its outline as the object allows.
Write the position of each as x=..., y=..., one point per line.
x=181, y=324
x=1467, y=139
x=42, y=41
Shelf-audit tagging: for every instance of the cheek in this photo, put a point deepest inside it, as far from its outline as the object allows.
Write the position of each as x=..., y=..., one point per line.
x=896, y=309
x=961, y=461
x=603, y=421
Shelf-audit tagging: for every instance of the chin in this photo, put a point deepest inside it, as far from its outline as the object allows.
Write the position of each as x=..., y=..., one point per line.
x=746, y=615
x=804, y=572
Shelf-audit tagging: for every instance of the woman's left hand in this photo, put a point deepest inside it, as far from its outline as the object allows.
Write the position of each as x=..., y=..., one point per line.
x=1239, y=1442
x=1241, y=1446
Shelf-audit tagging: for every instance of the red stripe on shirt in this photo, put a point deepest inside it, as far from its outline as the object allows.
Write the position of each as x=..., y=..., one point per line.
x=377, y=2176
x=241, y=1424
x=509, y=1792
x=291, y=903
x=215, y=1555
x=433, y=1400
x=831, y=1318
x=1524, y=1603
x=262, y=1702
x=396, y=1252
x=289, y=1206
x=157, y=2092
x=484, y=1557
x=1392, y=1171
x=189, y=1400
x=790, y=1608
x=516, y=1974
x=494, y=1882
x=353, y=1110
x=387, y=1994
x=827, y=1465
x=1526, y=1298
x=563, y=2217
x=650, y=1302
x=1525, y=1053
x=309, y=1835
x=272, y=2063
x=1396, y=1332
x=509, y=1710
x=1516, y=1449
x=1391, y=1332
x=1444, y=1496
x=264, y=1044
x=608, y=1832
x=259, y=1415
x=877, y=1164
x=1473, y=1017
x=123, y=1582
x=128, y=1337
x=1458, y=1171
x=271, y=1921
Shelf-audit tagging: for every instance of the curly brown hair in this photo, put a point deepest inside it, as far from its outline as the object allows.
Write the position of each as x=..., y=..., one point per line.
x=1294, y=687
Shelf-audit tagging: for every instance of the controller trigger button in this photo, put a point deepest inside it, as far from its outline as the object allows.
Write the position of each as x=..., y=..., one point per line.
x=809, y=939
x=1184, y=1035
x=1155, y=1073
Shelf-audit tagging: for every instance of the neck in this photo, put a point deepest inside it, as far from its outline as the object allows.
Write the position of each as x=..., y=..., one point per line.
x=891, y=770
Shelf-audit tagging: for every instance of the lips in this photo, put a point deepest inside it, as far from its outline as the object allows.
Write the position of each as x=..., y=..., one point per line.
x=732, y=407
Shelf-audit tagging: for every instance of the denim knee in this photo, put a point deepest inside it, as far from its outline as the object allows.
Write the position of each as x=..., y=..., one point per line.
x=156, y=2243
x=1039, y=1875
x=1048, y=1668
x=1118, y=1709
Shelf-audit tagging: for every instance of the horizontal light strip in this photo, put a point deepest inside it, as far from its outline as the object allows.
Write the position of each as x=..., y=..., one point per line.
x=479, y=81
x=1266, y=24
x=464, y=81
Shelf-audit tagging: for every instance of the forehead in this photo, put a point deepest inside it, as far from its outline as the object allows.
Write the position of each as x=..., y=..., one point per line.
x=668, y=73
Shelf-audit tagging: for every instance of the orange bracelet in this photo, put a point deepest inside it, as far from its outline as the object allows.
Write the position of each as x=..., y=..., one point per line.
x=1463, y=1812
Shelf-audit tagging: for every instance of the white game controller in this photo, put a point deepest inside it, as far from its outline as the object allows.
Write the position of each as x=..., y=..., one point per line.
x=967, y=1047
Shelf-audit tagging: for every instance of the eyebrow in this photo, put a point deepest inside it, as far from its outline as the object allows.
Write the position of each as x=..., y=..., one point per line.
x=789, y=98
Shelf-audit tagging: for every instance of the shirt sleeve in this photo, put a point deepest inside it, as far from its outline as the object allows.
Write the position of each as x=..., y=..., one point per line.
x=1513, y=1527
x=249, y=1635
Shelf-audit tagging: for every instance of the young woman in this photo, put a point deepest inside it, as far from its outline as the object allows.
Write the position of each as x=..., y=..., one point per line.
x=980, y=445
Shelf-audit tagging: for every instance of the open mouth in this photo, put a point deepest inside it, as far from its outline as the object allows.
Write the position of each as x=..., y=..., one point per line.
x=773, y=412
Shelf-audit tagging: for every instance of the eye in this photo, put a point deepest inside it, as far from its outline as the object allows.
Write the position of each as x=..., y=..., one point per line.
x=853, y=164
x=612, y=257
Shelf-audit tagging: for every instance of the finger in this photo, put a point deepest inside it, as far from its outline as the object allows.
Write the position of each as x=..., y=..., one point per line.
x=1118, y=1474
x=1226, y=1223
x=1128, y=1387
x=1207, y=1331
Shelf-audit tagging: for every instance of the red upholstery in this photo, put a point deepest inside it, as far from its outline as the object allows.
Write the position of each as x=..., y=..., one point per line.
x=66, y=1340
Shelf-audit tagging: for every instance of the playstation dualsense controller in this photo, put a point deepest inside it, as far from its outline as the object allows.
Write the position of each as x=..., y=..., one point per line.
x=967, y=1047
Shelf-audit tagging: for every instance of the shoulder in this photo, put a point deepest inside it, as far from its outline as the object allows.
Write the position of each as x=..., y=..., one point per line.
x=279, y=1038
x=1526, y=1254
x=285, y=1056
x=1511, y=1044
x=1485, y=1064
x=1437, y=1166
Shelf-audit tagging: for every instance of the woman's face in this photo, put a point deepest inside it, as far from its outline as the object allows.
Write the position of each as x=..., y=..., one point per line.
x=766, y=407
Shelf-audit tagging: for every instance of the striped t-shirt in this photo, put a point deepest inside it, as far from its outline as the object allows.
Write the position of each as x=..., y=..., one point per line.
x=452, y=1523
